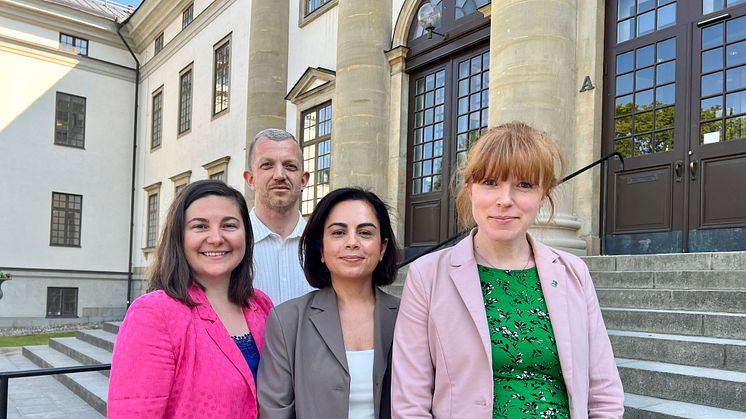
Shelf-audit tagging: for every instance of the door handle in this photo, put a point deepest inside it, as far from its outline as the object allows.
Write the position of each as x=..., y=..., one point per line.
x=678, y=168
x=693, y=170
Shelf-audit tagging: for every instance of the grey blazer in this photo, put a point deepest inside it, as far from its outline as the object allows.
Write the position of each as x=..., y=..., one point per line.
x=303, y=369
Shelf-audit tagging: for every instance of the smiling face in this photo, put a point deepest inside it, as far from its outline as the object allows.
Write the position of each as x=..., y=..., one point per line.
x=214, y=238
x=276, y=174
x=352, y=244
x=505, y=209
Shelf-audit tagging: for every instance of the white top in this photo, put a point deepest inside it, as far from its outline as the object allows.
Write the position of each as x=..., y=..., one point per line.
x=277, y=270
x=360, y=364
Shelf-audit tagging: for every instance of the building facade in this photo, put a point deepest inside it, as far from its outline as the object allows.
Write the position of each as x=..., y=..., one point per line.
x=66, y=145
x=378, y=99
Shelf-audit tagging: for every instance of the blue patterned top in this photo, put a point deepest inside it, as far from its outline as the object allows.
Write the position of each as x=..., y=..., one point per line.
x=249, y=350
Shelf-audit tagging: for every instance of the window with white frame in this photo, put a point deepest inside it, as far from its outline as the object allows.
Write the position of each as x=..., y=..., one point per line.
x=153, y=201
x=316, y=138
x=158, y=43
x=73, y=44
x=185, y=100
x=221, y=75
x=187, y=16
x=157, y=119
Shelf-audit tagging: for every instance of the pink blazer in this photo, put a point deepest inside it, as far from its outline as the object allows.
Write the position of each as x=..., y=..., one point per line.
x=442, y=355
x=171, y=360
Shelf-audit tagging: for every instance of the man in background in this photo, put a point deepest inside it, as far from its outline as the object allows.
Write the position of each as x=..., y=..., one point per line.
x=275, y=174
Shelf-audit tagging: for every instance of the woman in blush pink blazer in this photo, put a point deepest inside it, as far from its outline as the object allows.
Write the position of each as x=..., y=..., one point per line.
x=500, y=325
x=191, y=347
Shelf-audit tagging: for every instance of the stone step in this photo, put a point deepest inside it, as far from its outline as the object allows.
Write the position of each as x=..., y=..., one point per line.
x=727, y=354
x=645, y=407
x=92, y=387
x=679, y=322
x=730, y=301
x=112, y=327
x=98, y=337
x=727, y=261
x=81, y=351
x=703, y=280
x=696, y=385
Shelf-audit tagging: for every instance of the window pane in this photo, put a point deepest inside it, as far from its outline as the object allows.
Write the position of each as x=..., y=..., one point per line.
x=735, y=128
x=712, y=60
x=711, y=108
x=735, y=103
x=644, y=100
x=665, y=72
x=645, y=56
x=623, y=105
x=712, y=83
x=735, y=54
x=667, y=16
x=645, y=5
x=736, y=29
x=644, y=78
x=712, y=36
x=625, y=30
x=624, y=84
x=666, y=50
x=625, y=62
x=665, y=95
x=735, y=78
x=709, y=6
x=626, y=9
x=645, y=23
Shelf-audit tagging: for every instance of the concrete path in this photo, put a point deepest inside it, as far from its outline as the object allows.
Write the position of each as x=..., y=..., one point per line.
x=40, y=397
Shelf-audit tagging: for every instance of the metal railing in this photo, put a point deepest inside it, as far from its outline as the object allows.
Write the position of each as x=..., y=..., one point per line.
x=7, y=375
x=463, y=233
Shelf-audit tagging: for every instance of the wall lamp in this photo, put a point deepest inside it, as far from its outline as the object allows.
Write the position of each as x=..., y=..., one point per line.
x=429, y=17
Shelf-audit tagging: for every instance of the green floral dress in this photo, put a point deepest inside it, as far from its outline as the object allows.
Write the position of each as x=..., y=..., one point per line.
x=525, y=365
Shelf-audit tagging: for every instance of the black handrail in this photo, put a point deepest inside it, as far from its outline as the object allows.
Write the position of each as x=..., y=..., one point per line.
x=6, y=375
x=463, y=233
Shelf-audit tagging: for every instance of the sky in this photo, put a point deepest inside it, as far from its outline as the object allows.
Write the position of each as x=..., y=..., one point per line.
x=133, y=3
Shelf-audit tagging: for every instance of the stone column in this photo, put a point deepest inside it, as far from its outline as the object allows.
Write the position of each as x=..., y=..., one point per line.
x=532, y=79
x=397, y=153
x=268, y=70
x=361, y=101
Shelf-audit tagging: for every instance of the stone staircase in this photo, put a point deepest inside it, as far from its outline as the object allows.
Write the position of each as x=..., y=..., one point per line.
x=677, y=323
x=92, y=346
x=678, y=327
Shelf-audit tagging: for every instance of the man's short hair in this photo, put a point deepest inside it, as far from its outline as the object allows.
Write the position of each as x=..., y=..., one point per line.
x=274, y=134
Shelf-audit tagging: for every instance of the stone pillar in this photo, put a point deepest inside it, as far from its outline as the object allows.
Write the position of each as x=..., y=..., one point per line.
x=361, y=101
x=532, y=79
x=268, y=70
x=397, y=153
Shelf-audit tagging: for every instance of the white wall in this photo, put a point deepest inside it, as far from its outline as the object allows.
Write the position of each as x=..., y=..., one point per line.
x=210, y=137
x=313, y=45
x=32, y=166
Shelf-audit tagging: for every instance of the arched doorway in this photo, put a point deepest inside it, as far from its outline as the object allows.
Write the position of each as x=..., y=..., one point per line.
x=447, y=110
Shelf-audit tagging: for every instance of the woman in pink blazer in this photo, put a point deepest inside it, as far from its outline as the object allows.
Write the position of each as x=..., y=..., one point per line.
x=500, y=325
x=190, y=347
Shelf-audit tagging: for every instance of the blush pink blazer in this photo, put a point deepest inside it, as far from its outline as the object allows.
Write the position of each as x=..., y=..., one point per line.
x=442, y=354
x=175, y=361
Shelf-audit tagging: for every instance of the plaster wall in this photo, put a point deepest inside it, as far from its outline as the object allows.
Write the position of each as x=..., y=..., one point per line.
x=211, y=137
x=313, y=45
x=32, y=166
x=25, y=296
x=27, y=33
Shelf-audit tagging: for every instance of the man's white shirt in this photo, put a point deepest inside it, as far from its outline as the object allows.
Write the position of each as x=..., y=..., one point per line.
x=277, y=270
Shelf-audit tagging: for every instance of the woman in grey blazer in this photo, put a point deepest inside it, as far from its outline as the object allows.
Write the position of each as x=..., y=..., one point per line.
x=327, y=354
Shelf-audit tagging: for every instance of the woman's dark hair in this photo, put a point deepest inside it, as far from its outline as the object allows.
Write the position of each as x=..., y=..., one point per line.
x=170, y=271
x=311, y=242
